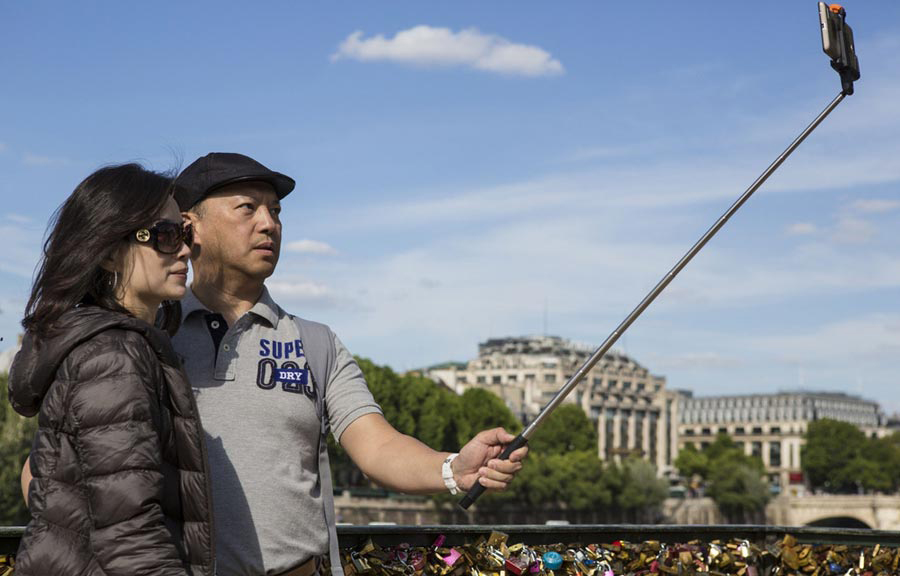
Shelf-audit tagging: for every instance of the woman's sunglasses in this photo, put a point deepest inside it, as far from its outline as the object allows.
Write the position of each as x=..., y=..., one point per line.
x=167, y=236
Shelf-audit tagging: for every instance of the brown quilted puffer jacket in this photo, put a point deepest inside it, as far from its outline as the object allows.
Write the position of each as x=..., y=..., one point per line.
x=121, y=482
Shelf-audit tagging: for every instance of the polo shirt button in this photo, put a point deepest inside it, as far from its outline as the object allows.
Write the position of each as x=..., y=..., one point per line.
x=227, y=347
x=214, y=324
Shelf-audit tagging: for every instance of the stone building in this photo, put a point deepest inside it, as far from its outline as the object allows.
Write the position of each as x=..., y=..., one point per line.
x=772, y=426
x=631, y=408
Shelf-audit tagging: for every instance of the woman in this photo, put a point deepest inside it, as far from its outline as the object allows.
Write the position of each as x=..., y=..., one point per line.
x=120, y=482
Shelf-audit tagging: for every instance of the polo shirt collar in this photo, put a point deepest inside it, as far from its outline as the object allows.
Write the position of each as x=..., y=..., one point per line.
x=265, y=307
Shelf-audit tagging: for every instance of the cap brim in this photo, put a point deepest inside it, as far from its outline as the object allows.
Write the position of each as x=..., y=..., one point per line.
x=282, y=184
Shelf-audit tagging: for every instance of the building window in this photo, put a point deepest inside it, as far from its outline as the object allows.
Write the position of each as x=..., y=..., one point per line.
x=723, y=430
x=495, y=380
x=652, y=437
x=775, y=430
x=481, y=380
x=756, y=449
x=706, y=431
x=757, y=430
x=461, y=379
x=609, y=429
x=529, y=377
x=512, y=378
x=775, y=454
x=739, y=430
x=549, y=378
x=626, y=385
x=639, y=430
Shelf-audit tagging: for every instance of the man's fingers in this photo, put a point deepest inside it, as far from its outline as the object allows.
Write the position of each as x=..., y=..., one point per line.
x=493, y=484
x=519, y=455
x=504, y=466
x=496, y=475
x=496, y=436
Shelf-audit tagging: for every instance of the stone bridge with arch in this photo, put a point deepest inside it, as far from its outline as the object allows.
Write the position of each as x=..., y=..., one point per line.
x=840, y=511
x=878, y=512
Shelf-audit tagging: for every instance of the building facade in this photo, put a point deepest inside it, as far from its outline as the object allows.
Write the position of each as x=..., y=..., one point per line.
x=772, y=426
x=631, y=408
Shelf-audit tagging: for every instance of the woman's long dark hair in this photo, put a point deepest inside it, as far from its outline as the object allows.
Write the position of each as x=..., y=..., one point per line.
x=99, y=216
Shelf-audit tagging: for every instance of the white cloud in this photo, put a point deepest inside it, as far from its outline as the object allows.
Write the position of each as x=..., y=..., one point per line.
x=430, y=46
x=303, y=290
x=851, y=230
x=697, y=361
x=801, y=229
x=307, y=246
x=876, y=206
x=17, y=218
x=41, y=160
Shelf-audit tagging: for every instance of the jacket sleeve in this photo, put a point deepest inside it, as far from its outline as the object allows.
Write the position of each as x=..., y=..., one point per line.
x=114, y=413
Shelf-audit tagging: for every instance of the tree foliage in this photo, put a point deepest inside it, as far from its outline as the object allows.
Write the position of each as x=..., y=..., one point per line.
x=690, y=461
x=735, y=480
x=566, y=429
x=16, y=434
x=839, y=458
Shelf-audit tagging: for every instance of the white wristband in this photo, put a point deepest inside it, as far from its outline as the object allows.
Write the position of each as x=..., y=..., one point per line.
x=447, y=475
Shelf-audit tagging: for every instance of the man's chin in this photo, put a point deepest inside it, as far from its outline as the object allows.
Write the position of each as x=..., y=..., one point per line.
x=263, y=271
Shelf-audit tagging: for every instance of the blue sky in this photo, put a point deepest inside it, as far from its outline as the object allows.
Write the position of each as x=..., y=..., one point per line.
x=467, y=169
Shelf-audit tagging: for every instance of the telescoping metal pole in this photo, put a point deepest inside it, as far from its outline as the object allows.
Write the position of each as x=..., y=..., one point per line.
x=522, y=438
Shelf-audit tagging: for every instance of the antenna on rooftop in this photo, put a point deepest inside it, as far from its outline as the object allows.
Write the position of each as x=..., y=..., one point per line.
x=545, y=317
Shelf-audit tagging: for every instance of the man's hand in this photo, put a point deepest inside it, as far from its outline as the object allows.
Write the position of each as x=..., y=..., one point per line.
x=478, y=462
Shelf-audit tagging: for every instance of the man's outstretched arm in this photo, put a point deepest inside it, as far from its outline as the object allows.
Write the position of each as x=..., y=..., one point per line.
x=402, y=463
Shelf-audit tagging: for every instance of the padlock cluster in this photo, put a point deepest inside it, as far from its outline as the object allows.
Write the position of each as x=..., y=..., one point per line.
x=493, y=556
x=7, y=564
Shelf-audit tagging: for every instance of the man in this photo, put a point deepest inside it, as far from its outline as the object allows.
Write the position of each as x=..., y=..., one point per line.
x=255, y=378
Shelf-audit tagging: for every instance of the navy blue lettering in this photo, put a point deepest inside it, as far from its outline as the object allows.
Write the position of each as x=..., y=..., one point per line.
x=288, y=348
x=276, y=349
x=265, y=374
x=263, y=347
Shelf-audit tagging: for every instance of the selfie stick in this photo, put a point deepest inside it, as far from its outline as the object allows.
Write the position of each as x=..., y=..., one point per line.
x=573, y=381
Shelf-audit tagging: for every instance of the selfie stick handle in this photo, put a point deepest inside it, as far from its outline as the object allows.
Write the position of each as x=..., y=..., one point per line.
x=573, y=381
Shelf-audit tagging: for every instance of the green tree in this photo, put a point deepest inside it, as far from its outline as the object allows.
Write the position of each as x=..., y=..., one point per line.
x=642, y=489
x=735, y=480
x=566, y=429
x=884, y=454
x=482, y=410
x=690, y=461
x=830, y=448
x=737, y=488
x=16, y=435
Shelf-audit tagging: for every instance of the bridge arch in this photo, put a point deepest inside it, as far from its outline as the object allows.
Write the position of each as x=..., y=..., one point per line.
x=839, y=522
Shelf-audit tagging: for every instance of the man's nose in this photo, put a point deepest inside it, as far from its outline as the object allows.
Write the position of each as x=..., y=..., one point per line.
x=266, y=220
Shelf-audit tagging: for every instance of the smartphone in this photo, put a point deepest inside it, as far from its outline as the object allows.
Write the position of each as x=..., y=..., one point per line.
x=831, y=42
x=837, y=41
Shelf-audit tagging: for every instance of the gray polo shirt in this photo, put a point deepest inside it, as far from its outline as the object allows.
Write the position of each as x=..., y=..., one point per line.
x=257, y=403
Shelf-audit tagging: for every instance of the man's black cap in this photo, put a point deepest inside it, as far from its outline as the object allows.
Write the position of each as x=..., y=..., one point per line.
x=217, y=169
